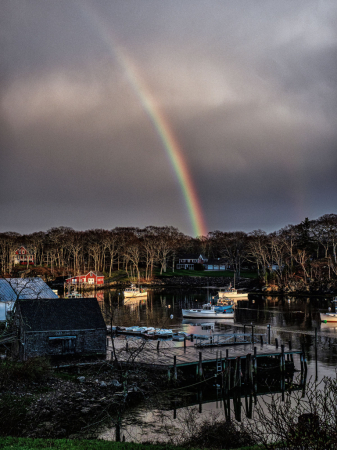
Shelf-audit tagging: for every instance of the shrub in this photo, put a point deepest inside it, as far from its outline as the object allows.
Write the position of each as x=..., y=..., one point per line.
x=34, y=369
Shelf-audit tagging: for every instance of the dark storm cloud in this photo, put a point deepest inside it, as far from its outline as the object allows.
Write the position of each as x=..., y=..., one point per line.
x=249, y=89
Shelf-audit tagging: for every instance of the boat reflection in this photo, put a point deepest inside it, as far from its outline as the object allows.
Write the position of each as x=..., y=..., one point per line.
x=199, y=322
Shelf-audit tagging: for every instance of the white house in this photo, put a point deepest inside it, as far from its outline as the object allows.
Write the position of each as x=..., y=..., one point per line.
x=188, y=261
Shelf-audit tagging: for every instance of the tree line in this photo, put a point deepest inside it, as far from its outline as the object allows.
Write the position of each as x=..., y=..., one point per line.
x=306, y=250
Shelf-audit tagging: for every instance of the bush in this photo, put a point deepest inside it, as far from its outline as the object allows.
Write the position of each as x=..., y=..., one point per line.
x=305, y=422
x=220, y=435
x=13, y=410
x=34, y=369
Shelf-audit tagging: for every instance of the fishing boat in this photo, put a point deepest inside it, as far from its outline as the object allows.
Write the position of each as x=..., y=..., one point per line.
x=330, y=316
x=135, y=292
x=231, y=293
x=209, y=311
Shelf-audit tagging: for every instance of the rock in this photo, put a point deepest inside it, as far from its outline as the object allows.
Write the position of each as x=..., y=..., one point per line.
x=85, y=410
x=103, y=384
x=116, y=383
x=81, y=379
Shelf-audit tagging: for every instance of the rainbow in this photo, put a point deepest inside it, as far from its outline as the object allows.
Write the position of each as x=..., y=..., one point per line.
x=159, y=121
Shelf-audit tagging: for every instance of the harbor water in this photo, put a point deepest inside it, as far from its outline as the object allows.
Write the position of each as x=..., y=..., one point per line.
x=291, y=318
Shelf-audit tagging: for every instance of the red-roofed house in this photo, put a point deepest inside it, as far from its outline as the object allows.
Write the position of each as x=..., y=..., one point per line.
x=89, y=278
x=23, y=255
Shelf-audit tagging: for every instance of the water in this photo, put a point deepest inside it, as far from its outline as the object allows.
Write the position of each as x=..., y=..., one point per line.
x=291, y=318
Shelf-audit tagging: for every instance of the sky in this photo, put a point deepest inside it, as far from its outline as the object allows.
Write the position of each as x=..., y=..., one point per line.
x=199, y=114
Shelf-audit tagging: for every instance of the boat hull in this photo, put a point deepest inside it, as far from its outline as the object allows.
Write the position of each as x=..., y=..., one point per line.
x=135, y=294
x=328, y=317
x=233, y=296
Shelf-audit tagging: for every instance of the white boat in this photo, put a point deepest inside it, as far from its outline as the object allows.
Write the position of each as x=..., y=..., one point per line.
x=232, y=293
x=330, y=316
x=208, y=311
x=135, y=292
x=157, y=333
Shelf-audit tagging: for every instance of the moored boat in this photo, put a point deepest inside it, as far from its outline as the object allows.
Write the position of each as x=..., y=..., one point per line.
x=330, y=316
x=231, y=293
x=135, y=292
x=209, y=311
x=158, y=333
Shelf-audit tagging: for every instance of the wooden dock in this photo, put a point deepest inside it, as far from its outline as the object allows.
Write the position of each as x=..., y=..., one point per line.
x=223, y=354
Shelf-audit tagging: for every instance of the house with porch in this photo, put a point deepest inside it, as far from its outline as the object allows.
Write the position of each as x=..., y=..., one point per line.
x=23, y=256
x=188, y=261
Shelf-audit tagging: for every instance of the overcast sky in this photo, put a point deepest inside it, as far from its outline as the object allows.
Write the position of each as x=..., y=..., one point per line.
x=248, y=89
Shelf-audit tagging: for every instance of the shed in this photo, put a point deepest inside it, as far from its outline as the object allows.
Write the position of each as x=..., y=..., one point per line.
x=58, y=327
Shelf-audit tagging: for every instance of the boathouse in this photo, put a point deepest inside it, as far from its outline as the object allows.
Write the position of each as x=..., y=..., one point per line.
x=58, y=327
x=90, y=278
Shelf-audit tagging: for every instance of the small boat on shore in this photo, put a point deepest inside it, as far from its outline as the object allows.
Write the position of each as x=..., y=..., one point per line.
x=158, y=333
x=209, y=311
x=135, y=292
x=330, y=316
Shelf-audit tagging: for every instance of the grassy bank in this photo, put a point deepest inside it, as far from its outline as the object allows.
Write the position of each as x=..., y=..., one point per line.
x=10, y=443
x=205, y=273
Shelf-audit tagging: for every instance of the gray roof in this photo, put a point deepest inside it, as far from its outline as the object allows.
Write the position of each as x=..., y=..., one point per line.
x=61, y=314
x=24, y=288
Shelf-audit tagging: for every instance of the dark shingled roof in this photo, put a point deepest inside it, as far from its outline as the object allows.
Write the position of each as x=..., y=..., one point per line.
x=61, y=314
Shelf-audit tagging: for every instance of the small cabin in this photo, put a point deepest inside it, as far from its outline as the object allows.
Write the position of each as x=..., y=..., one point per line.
x=58, y=327
x=90, y=278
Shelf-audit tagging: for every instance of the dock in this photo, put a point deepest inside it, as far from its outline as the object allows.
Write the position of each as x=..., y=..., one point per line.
x=234, y=356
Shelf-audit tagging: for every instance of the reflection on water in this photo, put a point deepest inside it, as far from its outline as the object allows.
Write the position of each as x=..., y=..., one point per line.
x=292, y=319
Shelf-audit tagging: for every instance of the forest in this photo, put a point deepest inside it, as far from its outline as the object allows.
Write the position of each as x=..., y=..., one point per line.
x=305, y=252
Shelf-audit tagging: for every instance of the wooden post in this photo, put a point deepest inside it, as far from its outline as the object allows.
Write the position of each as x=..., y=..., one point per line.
x=200, y=401
x=229, y=374
x=316, y=367
x=175, y=376
x=244, y=329
x=249, y=368
x=252, y=334
x=304, y=359
x=185, y=343
x=200, y=364
x=290, y=349
x=261, y=339
x=276, y=342
x=282, y=360
x=127, y=346
x=158, y=345
x=302, y=364
x=192, y=337
x=255, y=362
x=239, y=372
